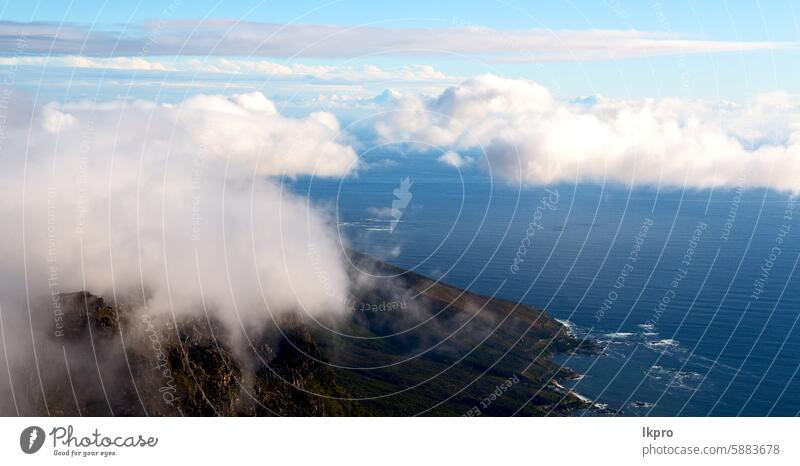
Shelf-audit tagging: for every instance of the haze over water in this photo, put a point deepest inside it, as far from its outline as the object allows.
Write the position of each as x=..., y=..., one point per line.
x=691, y=292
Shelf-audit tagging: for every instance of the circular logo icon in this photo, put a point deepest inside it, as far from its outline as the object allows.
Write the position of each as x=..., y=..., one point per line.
x=31, y=439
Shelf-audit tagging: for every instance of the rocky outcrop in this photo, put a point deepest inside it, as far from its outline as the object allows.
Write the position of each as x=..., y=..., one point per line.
x=416, y=347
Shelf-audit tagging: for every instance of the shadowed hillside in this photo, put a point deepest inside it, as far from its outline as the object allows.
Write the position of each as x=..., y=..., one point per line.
x=410, y=346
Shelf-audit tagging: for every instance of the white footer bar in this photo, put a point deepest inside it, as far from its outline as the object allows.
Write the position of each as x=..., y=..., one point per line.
x=400, y=441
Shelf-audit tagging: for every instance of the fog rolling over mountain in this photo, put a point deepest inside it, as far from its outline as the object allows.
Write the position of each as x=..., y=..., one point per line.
x=409, y=346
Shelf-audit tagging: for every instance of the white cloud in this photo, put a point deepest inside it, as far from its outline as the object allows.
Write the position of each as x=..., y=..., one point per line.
x=348, y=73
x=529, y=136
x=229, y=37
x=117, y=63
x=299, y=71
x=454, y=160
x=170, y=202
x=257, y=102
x=114, y=63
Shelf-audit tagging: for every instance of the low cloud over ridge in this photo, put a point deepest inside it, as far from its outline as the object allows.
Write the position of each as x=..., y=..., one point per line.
x=170, y=203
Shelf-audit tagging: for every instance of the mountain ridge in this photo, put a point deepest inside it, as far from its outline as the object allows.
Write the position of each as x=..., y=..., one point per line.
x=434, y=350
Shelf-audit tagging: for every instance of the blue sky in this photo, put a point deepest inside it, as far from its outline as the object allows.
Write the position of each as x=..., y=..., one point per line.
x=735, y=75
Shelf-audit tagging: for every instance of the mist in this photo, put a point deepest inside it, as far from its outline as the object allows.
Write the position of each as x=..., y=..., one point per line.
x=174, y=210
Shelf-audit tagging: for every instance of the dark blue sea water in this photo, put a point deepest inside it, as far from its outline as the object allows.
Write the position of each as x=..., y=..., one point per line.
x=693, y=294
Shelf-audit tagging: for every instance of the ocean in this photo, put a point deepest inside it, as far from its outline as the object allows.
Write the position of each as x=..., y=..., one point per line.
x=692, y=293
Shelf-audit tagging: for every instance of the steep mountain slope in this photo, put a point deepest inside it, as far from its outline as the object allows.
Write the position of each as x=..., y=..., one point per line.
x=410, y=346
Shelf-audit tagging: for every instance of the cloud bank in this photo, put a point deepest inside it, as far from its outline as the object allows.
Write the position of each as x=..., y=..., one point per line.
x=169, y=207
x=228, y=37
x=236, y=66
x=528, y=136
